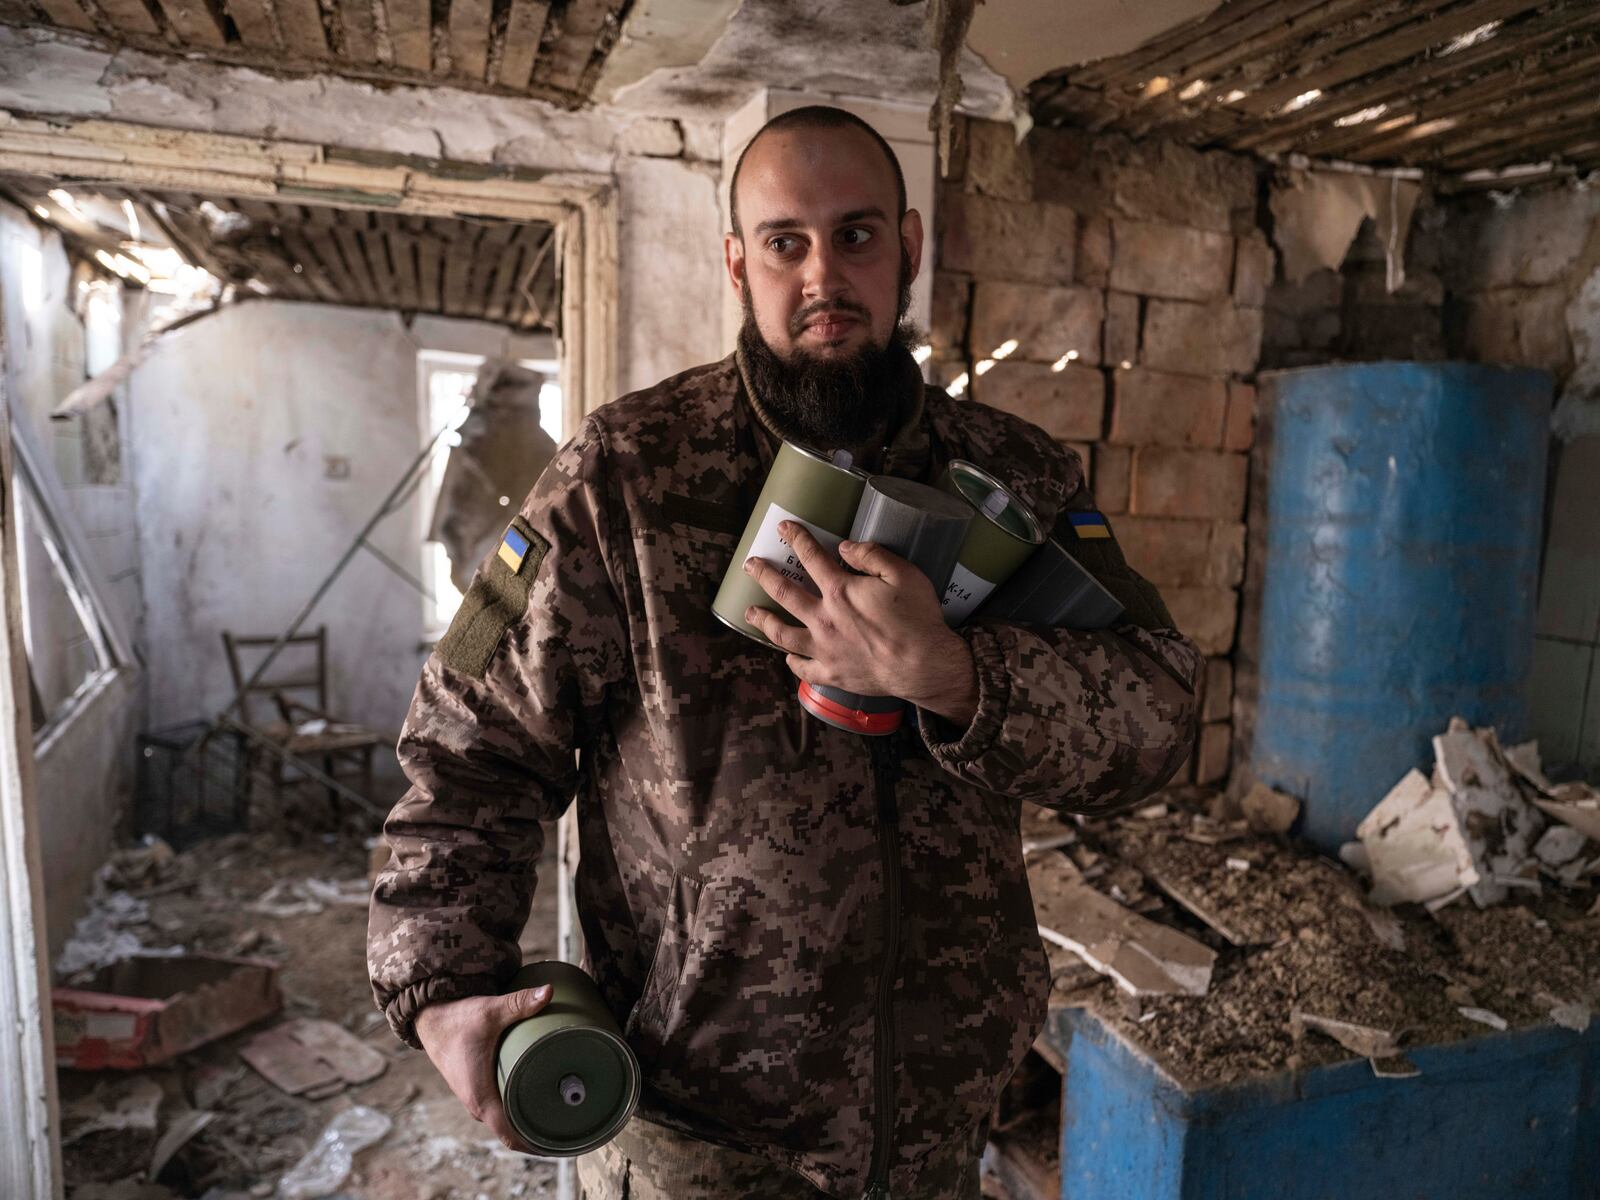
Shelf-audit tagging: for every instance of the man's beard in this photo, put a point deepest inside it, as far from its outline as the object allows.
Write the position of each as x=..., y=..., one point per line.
x=830, y=403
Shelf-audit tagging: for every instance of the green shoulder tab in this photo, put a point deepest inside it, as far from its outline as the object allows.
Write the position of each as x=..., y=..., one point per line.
x=1087, y=535
x=496, y=599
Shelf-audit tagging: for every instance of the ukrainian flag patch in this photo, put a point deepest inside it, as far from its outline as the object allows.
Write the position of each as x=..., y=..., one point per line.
x=1088, y=525
x=513, y=549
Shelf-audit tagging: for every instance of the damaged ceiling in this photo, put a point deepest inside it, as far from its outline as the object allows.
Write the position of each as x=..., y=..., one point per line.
x=550, y=49
x=1454, y=85
x=477, y=268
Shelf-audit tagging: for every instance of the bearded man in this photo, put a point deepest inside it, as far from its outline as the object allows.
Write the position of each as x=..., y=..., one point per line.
x=820, y=945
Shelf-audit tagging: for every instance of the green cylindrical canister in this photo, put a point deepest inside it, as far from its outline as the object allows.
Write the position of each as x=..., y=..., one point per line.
x=925, y=527
x=568, y=1081
x=805, y=486
x=1000, y=539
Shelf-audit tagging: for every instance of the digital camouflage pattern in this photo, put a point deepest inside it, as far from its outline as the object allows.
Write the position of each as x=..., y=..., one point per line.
x=744, y=866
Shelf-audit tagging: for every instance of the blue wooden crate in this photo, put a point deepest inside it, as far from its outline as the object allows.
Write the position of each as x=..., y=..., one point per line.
x=1508, y=1116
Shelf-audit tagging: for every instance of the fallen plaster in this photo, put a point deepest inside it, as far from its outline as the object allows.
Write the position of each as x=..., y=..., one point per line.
x=661, y=34
x=1577, y=412
x=1024, y=39
x=1317, y=215
x=47, y=73
x=874, y=51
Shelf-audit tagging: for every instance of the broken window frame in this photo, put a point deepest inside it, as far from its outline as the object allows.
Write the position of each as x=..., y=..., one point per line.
x=69, y=564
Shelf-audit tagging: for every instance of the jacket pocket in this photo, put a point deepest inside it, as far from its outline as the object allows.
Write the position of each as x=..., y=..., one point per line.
x=647, y=1021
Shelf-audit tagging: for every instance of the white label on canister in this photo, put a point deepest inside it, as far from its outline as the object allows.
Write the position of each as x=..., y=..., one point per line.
x=965, y=593
x=768, y=545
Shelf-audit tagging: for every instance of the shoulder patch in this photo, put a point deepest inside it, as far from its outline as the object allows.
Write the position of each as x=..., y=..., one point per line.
x=1088, y=537
x=496, y=599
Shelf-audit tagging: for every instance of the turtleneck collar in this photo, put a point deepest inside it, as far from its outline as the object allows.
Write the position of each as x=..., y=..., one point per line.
x=906, y=451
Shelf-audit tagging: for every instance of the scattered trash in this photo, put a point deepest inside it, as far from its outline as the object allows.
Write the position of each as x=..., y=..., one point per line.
x=183, y=1127
x=146, y=1009
x=1269, y=811
x=327, y=1165
x=109, y=1133
x=1559, y=845
x=1575, y=1017
x=312, y=1057
x=138, y=866
x=1484, y=1017
x=1151, y=812
x=1395, y=1066
x=1237, y=864
x=1145, y=958
x=1368, y=1041
x=306, y=897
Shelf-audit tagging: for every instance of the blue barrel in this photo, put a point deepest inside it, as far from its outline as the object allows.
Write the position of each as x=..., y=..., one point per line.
x=1404, y=515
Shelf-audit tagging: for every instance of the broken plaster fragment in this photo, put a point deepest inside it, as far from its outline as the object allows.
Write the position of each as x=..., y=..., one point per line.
x=1484, y=1017
x=1369, y=1041
x=1269, y=811
x=1395, y=1066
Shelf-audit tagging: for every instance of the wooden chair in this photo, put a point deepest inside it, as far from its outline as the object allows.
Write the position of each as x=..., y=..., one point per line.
x=305, y=730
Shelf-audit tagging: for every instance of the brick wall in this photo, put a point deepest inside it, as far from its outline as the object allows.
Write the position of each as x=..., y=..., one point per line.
x=1131, y=276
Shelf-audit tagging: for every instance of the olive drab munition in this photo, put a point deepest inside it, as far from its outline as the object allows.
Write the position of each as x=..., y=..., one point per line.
x=927, y=528
x=1002, y=536
x=568, y=1080
x=1054, y=590
x=820, y=492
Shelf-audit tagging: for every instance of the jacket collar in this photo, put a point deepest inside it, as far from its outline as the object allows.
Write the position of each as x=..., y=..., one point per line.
x=906, y=454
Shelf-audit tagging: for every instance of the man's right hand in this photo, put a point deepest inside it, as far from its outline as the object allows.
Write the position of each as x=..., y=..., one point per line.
x=460, y=1038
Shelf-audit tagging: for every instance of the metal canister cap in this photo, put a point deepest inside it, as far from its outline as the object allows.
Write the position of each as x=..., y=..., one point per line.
x=572, y=1090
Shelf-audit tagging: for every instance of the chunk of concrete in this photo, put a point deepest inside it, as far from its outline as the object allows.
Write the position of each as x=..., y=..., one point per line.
x=1415, y=845
x=1269, y=811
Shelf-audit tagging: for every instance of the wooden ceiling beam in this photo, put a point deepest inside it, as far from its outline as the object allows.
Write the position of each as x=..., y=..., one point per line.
x=359, y=29
x=411, y=33
x=1203, y=32
x=469, y=39
x=519, y=45
x=562, y=66
x=198, y=23
x=130, y=16
x=300, y=22
x=1532, y=141
x=253, y=20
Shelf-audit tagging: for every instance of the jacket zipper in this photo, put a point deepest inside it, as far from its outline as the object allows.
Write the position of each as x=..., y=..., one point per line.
x=883, y=1063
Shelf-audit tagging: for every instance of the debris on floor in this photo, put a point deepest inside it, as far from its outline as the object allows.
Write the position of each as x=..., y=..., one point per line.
x=206, y=1122
x=1317, y=961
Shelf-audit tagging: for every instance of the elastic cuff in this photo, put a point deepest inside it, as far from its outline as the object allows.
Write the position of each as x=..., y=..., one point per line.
x=951, y=746
x=403, y=1007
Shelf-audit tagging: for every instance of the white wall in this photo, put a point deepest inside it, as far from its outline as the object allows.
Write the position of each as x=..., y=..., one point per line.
x=232, y=421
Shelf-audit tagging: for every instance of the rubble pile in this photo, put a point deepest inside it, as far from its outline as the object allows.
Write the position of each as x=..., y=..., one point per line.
x=1470, y=905
x=316, y=1098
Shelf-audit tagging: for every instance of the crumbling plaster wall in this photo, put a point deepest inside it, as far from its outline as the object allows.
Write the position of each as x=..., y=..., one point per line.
x=235, y=417
x=1131, y=275
x=1523, y=275
x=84, y=769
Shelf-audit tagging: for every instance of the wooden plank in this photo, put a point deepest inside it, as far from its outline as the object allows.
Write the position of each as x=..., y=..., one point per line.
x=458, y=262
x=497, y=297
x=403, y=260
x=310, y=266
x=377, y=251
x=520, y=43
x=365, y=290
x=67, y=14
x=411, y=33
x=300, y=22
x=1385, y=51
x=1508, y=50
x=331, y=257
x=469, y=39
x=253, y=20
x=130, y=16
x=430, y=272
x=563, y=65
x=360, y=31
x=1532, y=141
x=1212, y=30
x=492, y=248
x=198, y=23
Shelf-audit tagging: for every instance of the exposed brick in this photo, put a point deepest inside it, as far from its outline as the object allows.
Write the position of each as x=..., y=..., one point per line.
x=1161, y=408
x=1169, y=482
x=1213, y=339
x=1170, y=260
x=1001, y=239
x=1144, y=179
x=1182, y=551
x=1094, y=251
x=1110, y=480
x=1253, y=266
x=1217, y=693
x=1212, y=755
x=1206, y=615
x=1069, y=404
x=1239, y=426
x=952, y=294
x=1122, y=329
x=996, y=166
x=1047, y=322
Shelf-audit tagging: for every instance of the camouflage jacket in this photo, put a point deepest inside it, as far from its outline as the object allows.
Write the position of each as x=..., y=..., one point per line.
x=821, y=945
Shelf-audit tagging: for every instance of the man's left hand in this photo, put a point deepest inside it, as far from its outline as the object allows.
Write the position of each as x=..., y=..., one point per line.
x=880, y=633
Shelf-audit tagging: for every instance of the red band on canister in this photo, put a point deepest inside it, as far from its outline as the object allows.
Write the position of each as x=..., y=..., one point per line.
x=851, y=718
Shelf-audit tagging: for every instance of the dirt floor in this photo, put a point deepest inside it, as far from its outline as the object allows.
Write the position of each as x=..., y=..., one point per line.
x=202, y=901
